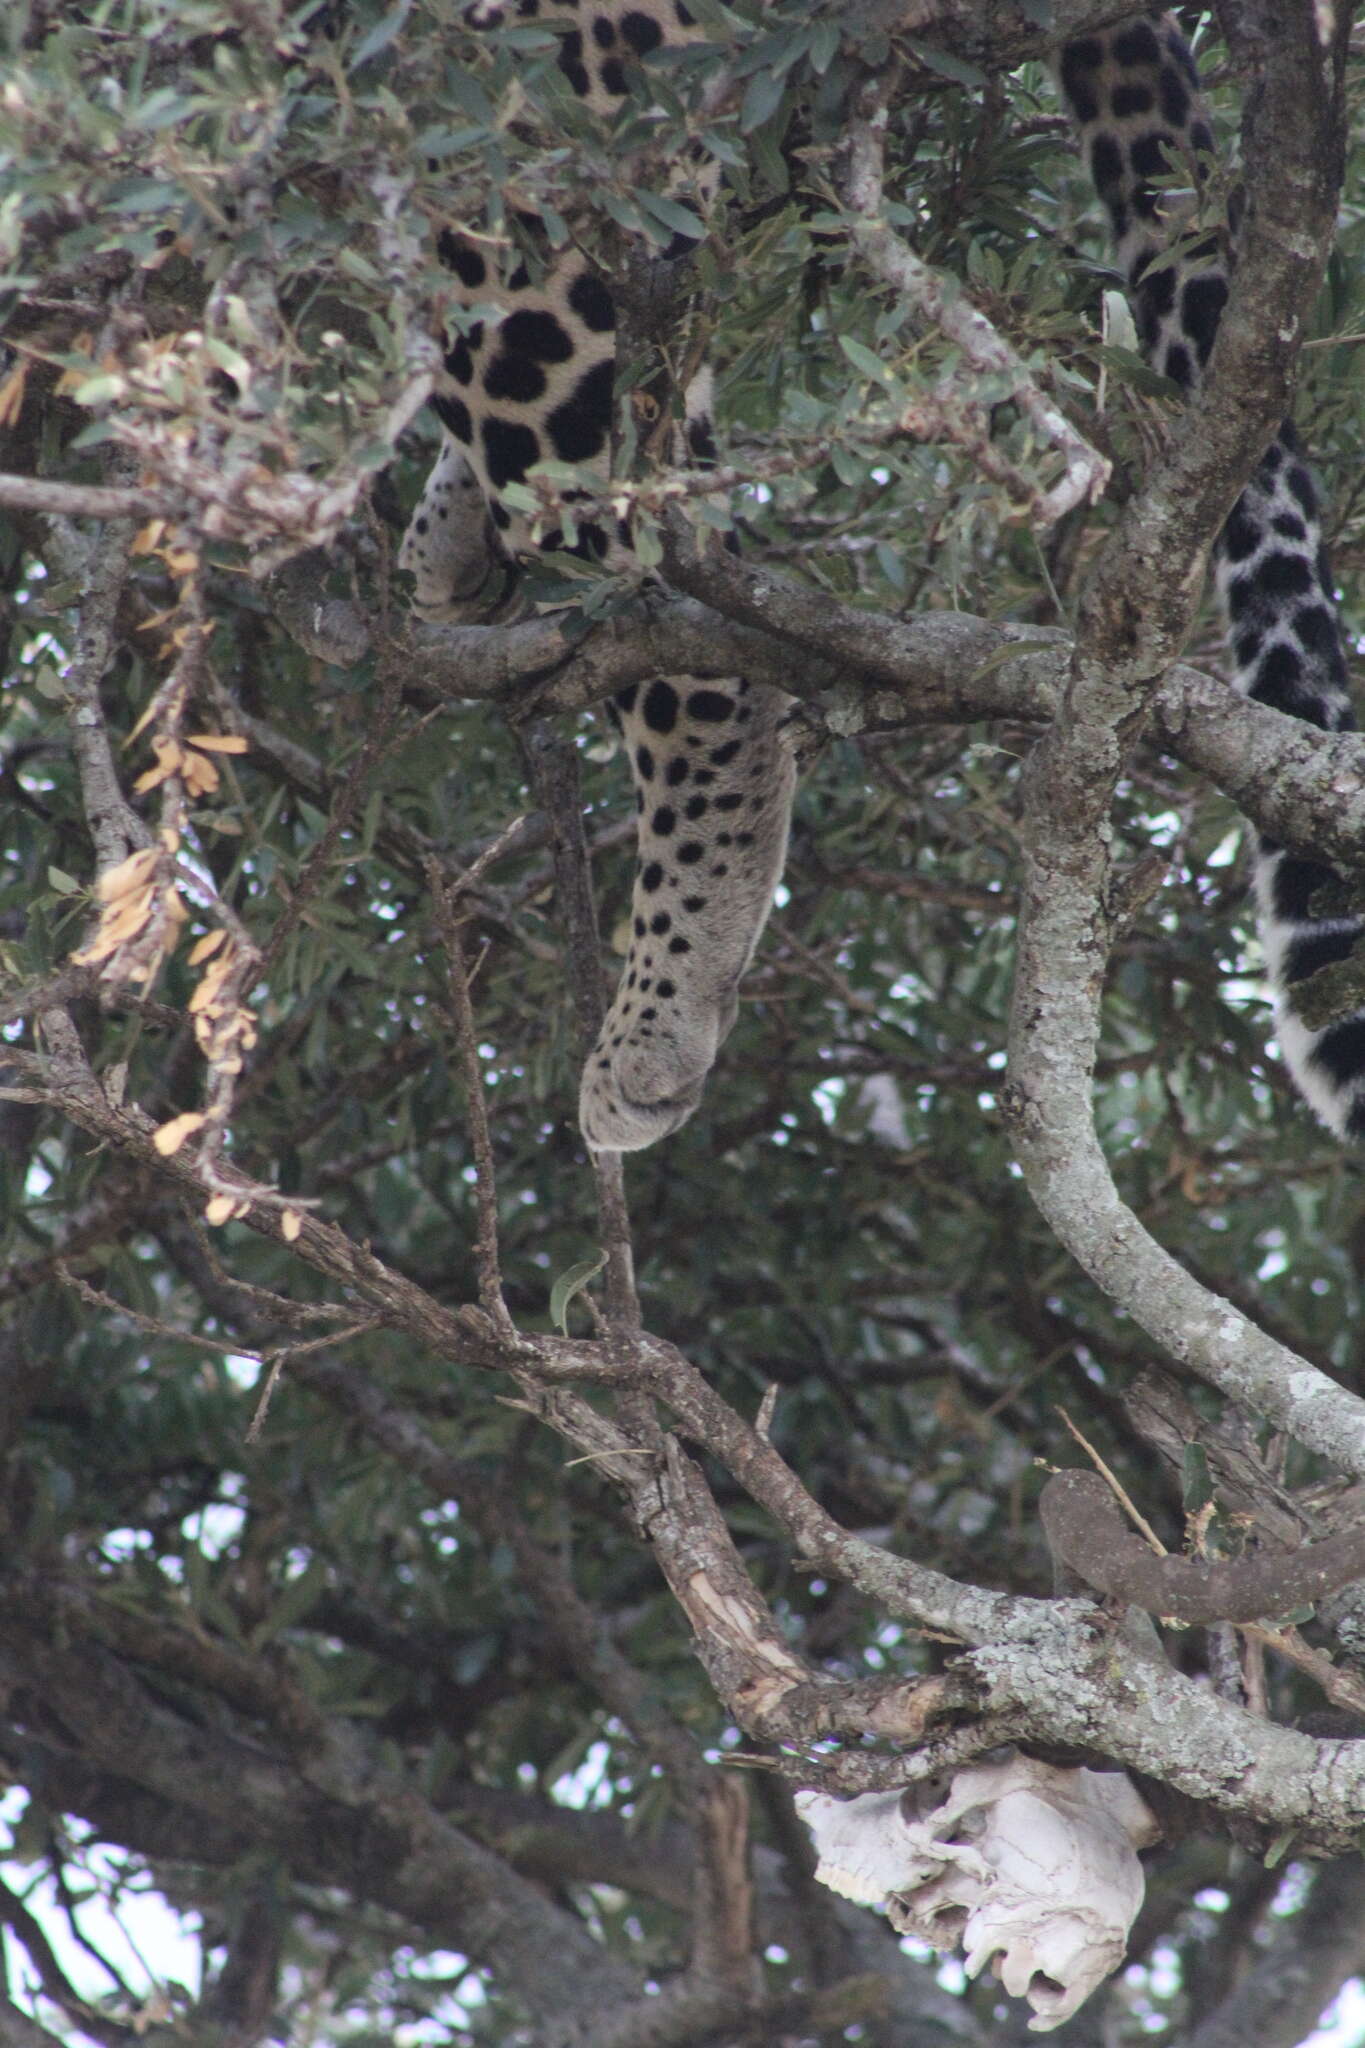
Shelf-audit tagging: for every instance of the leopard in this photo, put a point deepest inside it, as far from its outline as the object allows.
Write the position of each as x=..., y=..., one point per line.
x=712, y=759
x=713, y=762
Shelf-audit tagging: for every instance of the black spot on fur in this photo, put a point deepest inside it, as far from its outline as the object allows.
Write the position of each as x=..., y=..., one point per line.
x=624, y=700
x=666, y=989
x=696, y=807
x=731, y=801
x=1284, y=575
x=463, y=258
x=660, y=922
x=460, y=363
x=676, y=772
x=694, y=903
x=701, y=442
x=1301, y=484
x=663, y=821
x=1242, y=534
x=1131, y=99
x=1106, y=164
x=1147, y=155
x=579, y=427
x=570, y=61
x=679, y=945
x=509, y=451
x=641, y=32
x=1320, y=949
x=1295, y=884
x=651, y=877
x=515, y=377
x=1317, y=629
x=661, y=706
x=1278, y=679
x=713, y=706
x=590, y=299
x=690, y=852
x=644, y=761
x=1201, y=304
x=603, y=32
x=454, y=414
x=1178, y=366
x=1290, y=526
x=1136, y=46
x=1080, y=62
x=719, y=756
x=536, y=334
x=1175, y=99
x=614, y=77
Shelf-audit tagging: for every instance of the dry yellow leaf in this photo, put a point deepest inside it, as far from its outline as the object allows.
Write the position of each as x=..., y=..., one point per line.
x=291, y=1223
x=150, y=709
x=169, y=1137
x=218, y=742
x=202, y=948
x=150, y=626
x=219, y=1209
x=133, y=873
x=201, y=777
x=210, y=987
x=170, y=759
x=12, y=394
x=146, y=538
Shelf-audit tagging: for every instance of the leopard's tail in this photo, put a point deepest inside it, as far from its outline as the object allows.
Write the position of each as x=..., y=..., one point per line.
x=1134, y=94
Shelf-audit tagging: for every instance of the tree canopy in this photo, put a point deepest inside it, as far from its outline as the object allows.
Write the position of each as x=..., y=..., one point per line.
x=434, y=1556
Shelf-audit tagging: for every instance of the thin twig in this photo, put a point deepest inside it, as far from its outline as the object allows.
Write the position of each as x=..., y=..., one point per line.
x=552, y=762
x=1116, y=1486
x=486, y=1259
x=954, y=413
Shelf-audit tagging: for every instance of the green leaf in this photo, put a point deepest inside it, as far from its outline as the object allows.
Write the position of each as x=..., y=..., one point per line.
x=1279, y=1848
x=948, y=66
x=380, y=36
x=680, y=220
x=294, y=1602
x=761, y=101
x=824, y=46
x=1130, y=369
x=1197, y=1488
x=63, y=883
x=570, y=1283
x=863, y=359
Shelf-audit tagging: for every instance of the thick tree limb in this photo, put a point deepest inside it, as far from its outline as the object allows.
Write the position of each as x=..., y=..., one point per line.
x=1086, y=1529
x=1134, y=618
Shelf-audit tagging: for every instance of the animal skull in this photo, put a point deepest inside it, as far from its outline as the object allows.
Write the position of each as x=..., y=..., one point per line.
x=1024, y=1866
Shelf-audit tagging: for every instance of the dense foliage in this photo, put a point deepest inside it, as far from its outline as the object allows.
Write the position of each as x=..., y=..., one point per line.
x=279, y=1572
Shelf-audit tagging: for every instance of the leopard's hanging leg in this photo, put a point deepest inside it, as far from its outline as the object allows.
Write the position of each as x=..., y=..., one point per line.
x=714, y=778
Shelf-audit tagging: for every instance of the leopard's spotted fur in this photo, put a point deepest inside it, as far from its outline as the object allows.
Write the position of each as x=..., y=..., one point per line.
x=713, y=773
x=1134, y=94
